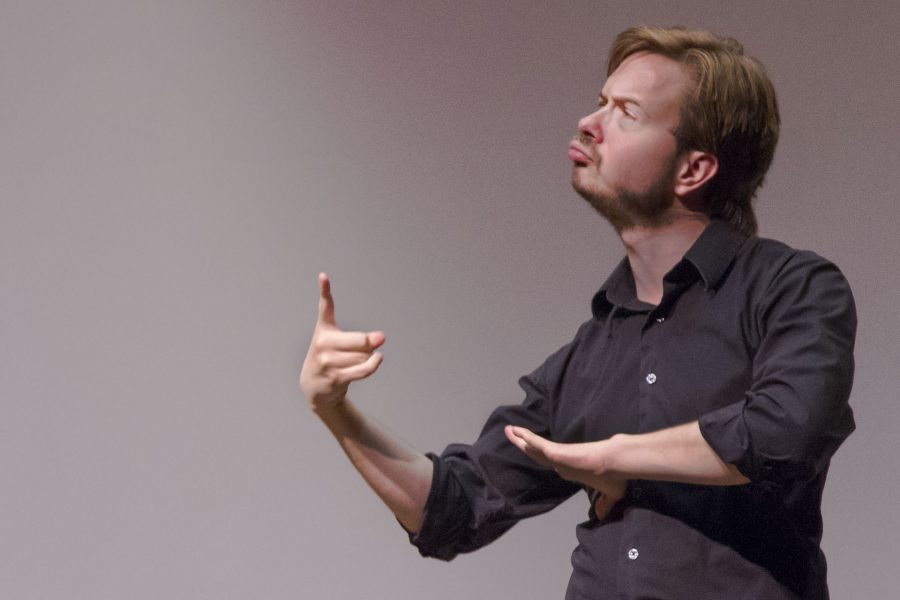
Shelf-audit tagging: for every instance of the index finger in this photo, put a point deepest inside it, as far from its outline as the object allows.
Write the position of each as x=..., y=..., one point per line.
x=326, y=302
x=526, y=436
x=530, y=443
x=351, y=341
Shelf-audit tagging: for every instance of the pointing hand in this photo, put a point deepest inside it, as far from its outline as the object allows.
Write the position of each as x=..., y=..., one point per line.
x=336, y=358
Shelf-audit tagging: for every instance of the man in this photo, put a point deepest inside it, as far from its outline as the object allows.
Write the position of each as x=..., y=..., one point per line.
x=699, y=406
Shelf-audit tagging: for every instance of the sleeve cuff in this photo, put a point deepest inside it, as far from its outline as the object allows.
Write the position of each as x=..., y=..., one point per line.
x=443, y=521
x=726, y=433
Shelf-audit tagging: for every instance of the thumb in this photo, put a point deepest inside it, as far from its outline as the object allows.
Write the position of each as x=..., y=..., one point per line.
x=326, y=302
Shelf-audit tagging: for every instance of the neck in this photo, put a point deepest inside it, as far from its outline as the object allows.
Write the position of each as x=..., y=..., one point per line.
x=653, y=251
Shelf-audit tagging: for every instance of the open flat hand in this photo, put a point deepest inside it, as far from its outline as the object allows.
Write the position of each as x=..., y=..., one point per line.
x=583, y=463
x=336, y=358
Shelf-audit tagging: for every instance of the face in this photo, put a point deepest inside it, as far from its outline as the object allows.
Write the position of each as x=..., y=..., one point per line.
x=625, y=153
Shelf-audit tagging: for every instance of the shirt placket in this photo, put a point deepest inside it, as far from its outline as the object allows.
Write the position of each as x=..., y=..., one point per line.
x=635, y=555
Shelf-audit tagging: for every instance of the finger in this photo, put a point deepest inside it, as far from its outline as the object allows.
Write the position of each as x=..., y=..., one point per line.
x=531, y=439
x=375, y=339
x=360, y=371
x=339, y=359
x=350, y=341
x=515, y=436
x=326, y=302
x=602, y=505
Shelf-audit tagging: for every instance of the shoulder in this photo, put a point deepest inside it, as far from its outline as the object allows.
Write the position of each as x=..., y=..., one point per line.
x=773, y=253
x=767, y=262
x=787, y=285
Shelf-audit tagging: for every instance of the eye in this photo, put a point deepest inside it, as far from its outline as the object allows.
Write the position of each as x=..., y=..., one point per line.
x=603, y=101
x=623, y=106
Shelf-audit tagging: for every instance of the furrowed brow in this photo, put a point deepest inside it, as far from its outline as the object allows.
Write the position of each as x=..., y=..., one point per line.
x=620, y=99
x=626, y=100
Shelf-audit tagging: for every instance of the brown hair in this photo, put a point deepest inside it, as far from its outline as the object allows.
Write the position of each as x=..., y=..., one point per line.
x=732, y=112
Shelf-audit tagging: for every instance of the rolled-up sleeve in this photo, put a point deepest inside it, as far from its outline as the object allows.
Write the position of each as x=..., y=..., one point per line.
x=480, y=491
x=796, y=413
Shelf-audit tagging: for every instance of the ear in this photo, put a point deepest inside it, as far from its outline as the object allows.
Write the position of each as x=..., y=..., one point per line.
x=695, y=168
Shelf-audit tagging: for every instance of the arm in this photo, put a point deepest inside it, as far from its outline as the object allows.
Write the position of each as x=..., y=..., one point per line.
x=796, y=414
x=784, y=429
x=396, y=472
x=457, y=502
x=674, y=454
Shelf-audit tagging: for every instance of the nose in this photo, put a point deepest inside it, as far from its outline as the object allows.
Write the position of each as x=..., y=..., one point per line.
x=591, y=127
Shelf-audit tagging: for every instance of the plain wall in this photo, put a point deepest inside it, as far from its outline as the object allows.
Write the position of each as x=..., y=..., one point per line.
x=174, y=176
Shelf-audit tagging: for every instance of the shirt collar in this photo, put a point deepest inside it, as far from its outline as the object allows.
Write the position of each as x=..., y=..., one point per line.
x=709, y=258
x=714, y=251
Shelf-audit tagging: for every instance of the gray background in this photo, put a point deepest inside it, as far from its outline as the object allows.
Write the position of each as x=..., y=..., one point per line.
x=174, y=175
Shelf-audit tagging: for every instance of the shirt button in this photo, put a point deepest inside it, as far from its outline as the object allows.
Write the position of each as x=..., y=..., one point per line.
x=633, y=554
x=660, y=319
x=651, y=378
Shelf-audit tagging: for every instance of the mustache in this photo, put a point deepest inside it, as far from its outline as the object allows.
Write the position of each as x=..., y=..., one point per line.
x=588, y=144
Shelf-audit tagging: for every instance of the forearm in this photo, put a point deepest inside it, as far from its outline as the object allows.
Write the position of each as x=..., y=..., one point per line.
x=674, y=454
x=398, y=473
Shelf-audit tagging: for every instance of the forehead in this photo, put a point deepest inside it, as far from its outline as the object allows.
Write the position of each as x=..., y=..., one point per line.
x=657, y=83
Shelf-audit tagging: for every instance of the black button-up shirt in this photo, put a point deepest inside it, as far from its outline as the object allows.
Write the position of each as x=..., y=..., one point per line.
x=752, y=339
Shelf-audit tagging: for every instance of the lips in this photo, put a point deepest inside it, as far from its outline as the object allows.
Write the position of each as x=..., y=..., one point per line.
x=579, y=155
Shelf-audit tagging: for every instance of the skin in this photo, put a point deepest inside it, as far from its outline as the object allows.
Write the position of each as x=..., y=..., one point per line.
x=398, y=473
x=626, y=165
x=624, y=154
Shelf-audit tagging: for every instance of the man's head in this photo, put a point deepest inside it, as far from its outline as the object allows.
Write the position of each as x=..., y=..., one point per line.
x=626, y=152
x=727, y=119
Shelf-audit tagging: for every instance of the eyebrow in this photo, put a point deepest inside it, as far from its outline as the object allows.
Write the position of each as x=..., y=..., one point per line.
x=621, y=100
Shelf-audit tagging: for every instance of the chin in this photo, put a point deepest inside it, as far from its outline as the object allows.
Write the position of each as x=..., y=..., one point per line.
x=624, y=209
x=587, y=186
x=607, y=205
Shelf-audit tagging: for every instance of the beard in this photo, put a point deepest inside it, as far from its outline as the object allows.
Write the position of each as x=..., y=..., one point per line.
x=626, y=209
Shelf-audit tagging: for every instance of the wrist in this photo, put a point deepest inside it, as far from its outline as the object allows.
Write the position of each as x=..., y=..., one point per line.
x=614, y=449
x=331, y=410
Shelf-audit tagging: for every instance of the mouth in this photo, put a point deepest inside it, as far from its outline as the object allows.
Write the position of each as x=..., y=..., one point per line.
x=579, y=155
